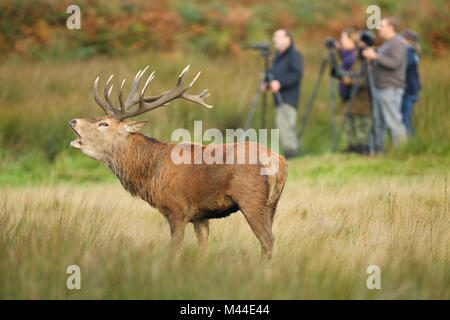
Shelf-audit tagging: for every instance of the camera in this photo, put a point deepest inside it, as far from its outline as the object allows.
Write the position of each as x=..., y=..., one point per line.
x=368, y=38
x=330, y=43
x=262, y=47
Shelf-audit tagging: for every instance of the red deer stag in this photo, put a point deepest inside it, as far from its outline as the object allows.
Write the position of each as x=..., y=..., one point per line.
x=181, y=192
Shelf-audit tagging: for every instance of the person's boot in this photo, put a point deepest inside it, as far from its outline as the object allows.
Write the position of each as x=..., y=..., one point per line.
x=350, y=148
x=290, y=154
x=362, y=149
x=365, y=150
x=358, y=148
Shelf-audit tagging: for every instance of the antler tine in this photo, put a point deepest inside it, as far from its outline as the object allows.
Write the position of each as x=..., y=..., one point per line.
x=141, y=96
x=107, y=108
x=150, y=78
x=122, y=106
x=193, y=80
x=199, y=98
x=182, y=76
x=137, y=75
x=107, y=93
x=133, y=96
x=142, y=73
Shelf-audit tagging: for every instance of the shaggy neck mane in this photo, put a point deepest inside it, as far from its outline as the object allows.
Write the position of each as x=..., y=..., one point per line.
x=135, y=162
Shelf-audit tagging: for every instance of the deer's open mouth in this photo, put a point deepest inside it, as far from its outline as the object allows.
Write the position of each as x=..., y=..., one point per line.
x=76, y=143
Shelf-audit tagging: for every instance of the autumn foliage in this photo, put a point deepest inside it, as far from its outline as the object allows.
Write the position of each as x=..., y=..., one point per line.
x=38, y=28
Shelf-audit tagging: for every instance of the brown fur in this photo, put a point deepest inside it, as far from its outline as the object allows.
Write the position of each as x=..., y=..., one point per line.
x=186, y=193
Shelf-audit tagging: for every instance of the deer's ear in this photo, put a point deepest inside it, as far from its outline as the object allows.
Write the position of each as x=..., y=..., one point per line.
x=135, y=126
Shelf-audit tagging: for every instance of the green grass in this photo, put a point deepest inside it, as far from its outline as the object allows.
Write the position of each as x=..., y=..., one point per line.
x=37, y=169
x=73, y=167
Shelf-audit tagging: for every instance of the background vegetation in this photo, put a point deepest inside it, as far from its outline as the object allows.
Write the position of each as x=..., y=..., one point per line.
x=339, y=213
x=37, y=28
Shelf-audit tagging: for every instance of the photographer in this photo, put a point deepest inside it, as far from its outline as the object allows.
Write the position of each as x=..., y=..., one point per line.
x=287, y=70
x=389, y=71
x=358, y=128
x=412, y=79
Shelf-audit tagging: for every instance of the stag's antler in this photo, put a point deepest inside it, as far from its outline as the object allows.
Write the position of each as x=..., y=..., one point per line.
x=146, y=103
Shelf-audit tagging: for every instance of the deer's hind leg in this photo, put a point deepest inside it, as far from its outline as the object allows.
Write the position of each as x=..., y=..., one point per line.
x=260, y=220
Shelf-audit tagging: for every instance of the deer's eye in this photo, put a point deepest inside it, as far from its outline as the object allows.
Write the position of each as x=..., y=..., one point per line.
x=103, y=124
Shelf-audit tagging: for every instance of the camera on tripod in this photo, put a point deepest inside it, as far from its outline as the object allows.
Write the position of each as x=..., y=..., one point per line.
x=330, y=43
x=266, y=76
x=336, y=72
x=262, y=47
x=368, y=38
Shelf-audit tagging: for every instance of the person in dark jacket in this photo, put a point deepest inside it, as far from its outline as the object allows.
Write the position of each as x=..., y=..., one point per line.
x=287, y=71
x=412, y=79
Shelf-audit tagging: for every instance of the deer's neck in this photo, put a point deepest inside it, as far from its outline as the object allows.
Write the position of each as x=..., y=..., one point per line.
x=136, y=162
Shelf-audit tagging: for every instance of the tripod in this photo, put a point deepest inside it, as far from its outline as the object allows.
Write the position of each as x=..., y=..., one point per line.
x=331, y=60
x=365, y=68
x=265, y=75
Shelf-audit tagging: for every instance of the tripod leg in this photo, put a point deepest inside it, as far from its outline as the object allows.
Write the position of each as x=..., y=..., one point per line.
x=278, y=98
x=332, y=113
x=310, y=103
x=255, y=100
x=372, y=98
x=263, y=109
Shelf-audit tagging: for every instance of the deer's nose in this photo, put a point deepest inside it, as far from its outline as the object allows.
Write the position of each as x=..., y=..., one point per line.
x=72, y=122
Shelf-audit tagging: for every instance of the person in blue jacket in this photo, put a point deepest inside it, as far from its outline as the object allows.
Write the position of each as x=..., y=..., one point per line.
x=412, y=79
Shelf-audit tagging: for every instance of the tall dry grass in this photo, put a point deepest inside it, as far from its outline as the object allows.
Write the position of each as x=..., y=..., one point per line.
x=326, y=237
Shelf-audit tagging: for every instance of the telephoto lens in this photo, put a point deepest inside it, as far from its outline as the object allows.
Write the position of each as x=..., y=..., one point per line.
x=329, y=43
x=368, y=37
x=260, y=46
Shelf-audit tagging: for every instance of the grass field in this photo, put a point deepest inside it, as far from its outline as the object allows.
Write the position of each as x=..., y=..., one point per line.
x=338, y=213
x=328, y=230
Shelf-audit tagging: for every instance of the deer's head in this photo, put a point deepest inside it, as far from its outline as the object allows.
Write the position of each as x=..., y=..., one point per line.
x=98, y=136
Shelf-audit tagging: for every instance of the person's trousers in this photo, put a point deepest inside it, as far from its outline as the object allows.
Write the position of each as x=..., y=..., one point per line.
x=358, y=130
x=387, y=112
x=407, y=107
x=286, y=116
